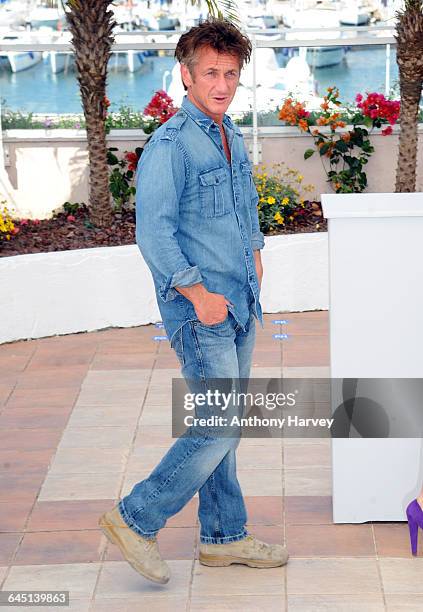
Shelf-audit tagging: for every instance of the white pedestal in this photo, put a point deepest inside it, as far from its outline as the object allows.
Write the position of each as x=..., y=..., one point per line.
x=376, y=331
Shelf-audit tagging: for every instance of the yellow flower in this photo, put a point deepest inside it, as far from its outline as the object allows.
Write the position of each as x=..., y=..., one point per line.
x=261, y=200
x=285, y=201
x=271, y=200
x=300, y=178
x=278, y=217
x=291, y=218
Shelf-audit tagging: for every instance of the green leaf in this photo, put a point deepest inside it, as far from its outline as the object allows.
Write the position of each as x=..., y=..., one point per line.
x=308, y=153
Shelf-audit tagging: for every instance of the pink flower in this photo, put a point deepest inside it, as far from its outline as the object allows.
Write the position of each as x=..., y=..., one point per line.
x=36, y=221
x=358, y=98
x=70, y=218
x=23, y=222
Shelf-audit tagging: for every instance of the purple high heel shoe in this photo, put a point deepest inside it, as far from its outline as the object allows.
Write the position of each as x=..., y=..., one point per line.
x=415, y=520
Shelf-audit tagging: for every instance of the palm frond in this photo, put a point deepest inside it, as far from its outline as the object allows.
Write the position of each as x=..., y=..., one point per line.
x=222, y=9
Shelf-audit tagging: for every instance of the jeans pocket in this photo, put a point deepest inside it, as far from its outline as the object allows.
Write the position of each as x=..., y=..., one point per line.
x=177, y=344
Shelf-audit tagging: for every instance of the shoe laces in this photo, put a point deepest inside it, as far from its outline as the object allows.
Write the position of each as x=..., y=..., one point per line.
x=258, y=543
x=149, y=544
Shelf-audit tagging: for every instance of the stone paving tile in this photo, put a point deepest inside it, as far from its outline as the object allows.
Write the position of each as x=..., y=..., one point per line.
x=402, y=576
x=43, y=398
x=116, y=361
x=31, y=418
x=108, y=416
x=308, y=481
x=238, y=603
x=260, y=482
x=100, y=437
x=119, y=580
x=68, y=515
x=330, y=540
x=3, y=571
x=51, y=378
x=264, y=510
x=308, y=510
x=154, y=435
x=77, y=578
x=119, y=378
x=304, y=350
x=13, y=515
x=20, y=487
x=316, y=455
x=238, y=580
x=29, y=439
x=96, y=396
x=401, y=603
x=25, y=461
x=54, y=547
x=166, y=602
x=392, y=540
x=336, y=603
x=145, y=458
x=89, y=460
x=8, y=545
x=80, y=486
x=306, y=372
x=258, y=457
x=342, y=576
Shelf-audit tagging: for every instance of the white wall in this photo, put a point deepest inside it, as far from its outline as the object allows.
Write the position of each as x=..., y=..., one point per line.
x=49, y=167
x=87, y=289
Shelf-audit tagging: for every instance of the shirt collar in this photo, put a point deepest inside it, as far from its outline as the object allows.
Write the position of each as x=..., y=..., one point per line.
x=201, y=118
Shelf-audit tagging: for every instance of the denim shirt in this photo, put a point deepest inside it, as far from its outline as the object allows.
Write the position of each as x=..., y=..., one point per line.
x=196, y=216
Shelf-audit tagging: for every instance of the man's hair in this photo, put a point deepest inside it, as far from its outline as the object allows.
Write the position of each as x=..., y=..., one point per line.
x=219, y=34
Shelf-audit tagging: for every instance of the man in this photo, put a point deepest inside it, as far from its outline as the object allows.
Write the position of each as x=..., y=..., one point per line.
x=198, y=231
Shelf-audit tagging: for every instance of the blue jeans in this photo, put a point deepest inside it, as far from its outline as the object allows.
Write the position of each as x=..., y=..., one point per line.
x=204, y=463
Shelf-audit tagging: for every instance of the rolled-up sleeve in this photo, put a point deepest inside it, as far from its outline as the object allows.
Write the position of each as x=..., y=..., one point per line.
x=160, y=181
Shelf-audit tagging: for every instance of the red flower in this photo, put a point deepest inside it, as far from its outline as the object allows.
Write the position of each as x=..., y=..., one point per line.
x=23, y=222
x=36, y=221
x=132, y=159
x=160, y=106
x=70, y=218
x=387, y=131
x=377, y=107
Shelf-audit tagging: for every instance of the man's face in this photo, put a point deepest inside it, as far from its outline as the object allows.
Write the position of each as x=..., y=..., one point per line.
x=214, y=81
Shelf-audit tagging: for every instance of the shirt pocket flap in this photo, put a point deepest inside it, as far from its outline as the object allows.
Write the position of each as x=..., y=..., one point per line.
x=213, y=177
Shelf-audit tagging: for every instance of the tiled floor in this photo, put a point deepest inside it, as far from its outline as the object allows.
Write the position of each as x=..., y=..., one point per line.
x=84, y=417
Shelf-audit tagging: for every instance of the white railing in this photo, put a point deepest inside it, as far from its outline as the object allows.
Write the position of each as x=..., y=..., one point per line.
x=270, y=38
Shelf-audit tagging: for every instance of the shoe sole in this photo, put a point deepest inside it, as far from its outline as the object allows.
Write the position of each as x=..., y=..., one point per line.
x=107, y=528
x=214, y=561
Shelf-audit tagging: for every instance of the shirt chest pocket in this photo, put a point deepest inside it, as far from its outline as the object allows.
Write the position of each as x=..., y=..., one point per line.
x=215, y=198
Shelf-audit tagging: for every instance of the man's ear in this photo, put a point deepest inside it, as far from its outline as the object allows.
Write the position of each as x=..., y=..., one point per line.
x=185, y=75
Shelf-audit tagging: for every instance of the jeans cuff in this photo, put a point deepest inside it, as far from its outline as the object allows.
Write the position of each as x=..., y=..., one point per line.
x=148, y=535
x=225, y=539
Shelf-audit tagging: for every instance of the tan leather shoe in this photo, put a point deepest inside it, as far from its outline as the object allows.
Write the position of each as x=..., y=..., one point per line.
x=248, y=551
x=142, y=554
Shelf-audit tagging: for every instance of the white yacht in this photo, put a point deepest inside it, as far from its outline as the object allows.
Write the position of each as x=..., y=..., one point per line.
x=354, y=13
x=18, y=60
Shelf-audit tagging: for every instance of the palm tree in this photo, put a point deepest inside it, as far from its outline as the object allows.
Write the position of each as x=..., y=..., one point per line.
x=91, y=24
x=409, y=37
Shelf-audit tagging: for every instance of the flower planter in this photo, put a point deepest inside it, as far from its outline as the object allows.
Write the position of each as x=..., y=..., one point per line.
x=87, y=289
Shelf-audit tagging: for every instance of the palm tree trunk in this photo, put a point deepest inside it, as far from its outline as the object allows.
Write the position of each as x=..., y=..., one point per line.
x=91, y=25
x=408, y=139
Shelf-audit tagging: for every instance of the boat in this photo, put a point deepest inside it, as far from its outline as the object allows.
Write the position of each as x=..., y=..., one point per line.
x=42, y=16
x=317, y=57
x=18, y=61
x=273, y=83
x=354, y=13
